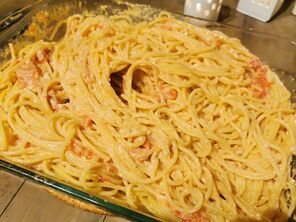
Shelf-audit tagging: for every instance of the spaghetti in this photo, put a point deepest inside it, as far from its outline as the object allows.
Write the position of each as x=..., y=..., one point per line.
x=162, y=116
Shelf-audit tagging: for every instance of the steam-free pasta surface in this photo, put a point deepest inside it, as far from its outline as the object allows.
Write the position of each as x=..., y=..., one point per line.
x=161, y=116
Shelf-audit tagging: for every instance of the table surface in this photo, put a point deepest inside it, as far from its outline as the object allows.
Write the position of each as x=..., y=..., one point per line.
x=23, y=201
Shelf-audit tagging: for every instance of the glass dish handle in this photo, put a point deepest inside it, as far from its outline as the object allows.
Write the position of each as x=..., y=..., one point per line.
x=17, y=15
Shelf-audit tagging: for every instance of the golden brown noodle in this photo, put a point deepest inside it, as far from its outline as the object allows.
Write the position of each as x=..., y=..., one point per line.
x=179, y=121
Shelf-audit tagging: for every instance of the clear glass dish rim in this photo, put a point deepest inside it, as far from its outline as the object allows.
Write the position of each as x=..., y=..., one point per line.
x=82, y=195
x=75, y=193
x=209, y=24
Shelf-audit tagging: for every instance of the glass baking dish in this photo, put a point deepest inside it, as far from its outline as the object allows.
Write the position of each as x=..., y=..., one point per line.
x=278, y=52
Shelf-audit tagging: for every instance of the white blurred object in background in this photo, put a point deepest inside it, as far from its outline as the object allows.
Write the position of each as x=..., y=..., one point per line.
x=259, y=9
x=294, y=9
x=205, y=9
